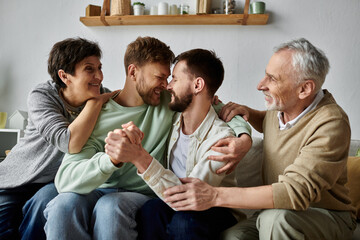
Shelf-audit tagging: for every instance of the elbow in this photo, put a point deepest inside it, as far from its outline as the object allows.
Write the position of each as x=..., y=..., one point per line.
x=74, y=149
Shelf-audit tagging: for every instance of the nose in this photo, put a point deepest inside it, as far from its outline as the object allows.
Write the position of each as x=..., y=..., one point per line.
x=165, y=84
x=169, y=86
x=99, y=74
x=262, y=84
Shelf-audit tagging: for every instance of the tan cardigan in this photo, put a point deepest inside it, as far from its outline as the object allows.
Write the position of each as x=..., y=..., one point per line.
x=306, y=164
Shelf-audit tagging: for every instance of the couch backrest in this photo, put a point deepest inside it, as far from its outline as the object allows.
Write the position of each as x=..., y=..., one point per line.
x=354, y=146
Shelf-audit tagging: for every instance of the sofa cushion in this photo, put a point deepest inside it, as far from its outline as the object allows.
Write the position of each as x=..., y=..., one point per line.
x=353, y=184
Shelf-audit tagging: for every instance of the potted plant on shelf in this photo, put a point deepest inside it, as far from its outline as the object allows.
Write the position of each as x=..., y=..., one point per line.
x=139, y=8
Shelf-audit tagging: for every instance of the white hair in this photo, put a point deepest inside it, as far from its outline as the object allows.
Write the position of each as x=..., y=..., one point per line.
x=308, y=61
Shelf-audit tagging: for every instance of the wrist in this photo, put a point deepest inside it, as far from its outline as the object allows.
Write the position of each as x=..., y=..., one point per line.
x=116, y=163
x=218, y=197
x=94, y=102
x=143, y=162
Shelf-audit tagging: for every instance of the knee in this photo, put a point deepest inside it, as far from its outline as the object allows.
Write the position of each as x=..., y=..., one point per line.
x=182, y=222
x=274, y=220
x=41, y=198
x=150, y=210
x=107, y=204
x=63, y=205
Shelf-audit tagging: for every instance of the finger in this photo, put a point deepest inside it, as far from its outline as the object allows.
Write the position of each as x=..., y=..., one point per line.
x=126, y=125
x=221, y=142
x=115, y=93
x=188, y=180
x=215, y=100
x=232, y=169
x=175, y=198
x=119, y=132
x=224, y=150
x=112, y=147
x=230, y=112
x=137, y=132
x=113, y=137
x=111, y=152
x=227, y=109
x=220, y=158
x=174, y=190
x=180, y=204
x=132, y=136
x=223, y=109
x=225, y=168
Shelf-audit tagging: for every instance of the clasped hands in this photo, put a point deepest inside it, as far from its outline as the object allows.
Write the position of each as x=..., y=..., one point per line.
x=124, y=145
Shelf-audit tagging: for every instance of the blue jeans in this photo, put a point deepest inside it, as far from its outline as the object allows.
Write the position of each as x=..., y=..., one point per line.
x=24, y=221
x=156, y=220
x=101, y=214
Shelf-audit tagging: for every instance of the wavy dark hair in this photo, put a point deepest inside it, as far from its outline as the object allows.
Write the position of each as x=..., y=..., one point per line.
x=67, y=53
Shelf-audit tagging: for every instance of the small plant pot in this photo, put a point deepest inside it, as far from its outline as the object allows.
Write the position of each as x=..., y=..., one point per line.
x=138, y=10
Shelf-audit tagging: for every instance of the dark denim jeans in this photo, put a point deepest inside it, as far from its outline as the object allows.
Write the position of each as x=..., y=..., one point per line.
x=156, y=220
x=21, y=211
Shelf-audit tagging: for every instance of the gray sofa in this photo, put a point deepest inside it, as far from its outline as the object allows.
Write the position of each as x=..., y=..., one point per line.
x=248, y=171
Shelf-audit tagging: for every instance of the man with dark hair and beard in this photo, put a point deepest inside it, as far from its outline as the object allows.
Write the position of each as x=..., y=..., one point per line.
x=197, y=75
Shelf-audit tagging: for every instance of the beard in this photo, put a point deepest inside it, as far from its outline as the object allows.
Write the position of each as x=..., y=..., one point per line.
x=180, y=105
x=146, y=93
x=274, y=105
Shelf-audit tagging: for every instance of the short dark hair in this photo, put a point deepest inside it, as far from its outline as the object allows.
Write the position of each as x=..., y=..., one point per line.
x=67, y=53
x=205, y=64
x=147, y=50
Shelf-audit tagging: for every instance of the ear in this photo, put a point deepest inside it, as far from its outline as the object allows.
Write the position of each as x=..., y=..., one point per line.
x=307, y=88
x=199, y=85
x=132, y=70
x=64, y=77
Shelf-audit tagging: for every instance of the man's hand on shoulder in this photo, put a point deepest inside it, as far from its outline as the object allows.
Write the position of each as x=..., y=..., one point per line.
x=233, y=150
x=230, y=110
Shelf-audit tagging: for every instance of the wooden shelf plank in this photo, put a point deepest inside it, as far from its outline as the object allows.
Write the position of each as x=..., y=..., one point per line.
x=203, y=19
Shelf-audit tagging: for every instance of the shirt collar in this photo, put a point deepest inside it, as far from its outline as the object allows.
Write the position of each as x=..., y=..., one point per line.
x=291, y=123
x=201, y=132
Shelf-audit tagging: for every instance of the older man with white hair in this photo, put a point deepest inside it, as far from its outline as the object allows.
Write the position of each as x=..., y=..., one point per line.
x=306, y=144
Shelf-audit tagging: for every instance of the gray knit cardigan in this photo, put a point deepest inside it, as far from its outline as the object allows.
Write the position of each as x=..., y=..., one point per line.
x=37, y=156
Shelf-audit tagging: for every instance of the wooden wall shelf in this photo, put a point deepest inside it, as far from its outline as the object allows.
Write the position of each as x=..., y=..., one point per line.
x=202, y=19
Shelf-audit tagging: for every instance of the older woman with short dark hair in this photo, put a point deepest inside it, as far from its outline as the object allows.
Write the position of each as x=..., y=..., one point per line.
x=62, y=114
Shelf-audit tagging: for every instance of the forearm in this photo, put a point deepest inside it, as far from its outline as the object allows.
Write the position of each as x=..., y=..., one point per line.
x=83, y=125
x=245, y=198
x=81, y=174
x=256, y=119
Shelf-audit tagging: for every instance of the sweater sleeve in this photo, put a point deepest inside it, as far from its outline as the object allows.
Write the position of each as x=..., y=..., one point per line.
x=45, y=112
x=237, y=123
x=318, y=167
x=85, y=171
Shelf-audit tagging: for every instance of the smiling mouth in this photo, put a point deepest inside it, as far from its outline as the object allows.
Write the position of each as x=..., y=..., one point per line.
x=157, y=91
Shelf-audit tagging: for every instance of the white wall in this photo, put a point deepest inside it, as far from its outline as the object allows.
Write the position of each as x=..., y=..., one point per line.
x=28, y=30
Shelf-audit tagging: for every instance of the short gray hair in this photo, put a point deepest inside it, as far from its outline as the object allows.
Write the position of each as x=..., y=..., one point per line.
x=308, y=61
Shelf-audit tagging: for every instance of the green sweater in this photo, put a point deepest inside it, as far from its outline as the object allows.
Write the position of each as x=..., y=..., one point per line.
x=306, y=164
x=91, y=168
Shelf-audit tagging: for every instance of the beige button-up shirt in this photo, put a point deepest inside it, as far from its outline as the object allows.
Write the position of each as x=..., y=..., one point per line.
x=207, y=134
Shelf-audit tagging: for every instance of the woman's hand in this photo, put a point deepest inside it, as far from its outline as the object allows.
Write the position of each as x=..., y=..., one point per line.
x=104, y=98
